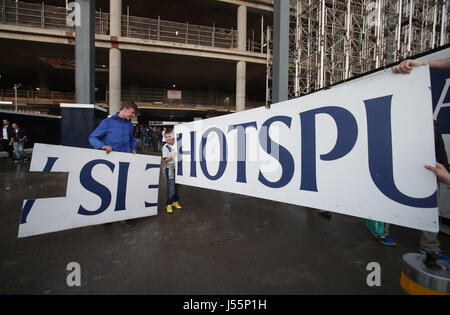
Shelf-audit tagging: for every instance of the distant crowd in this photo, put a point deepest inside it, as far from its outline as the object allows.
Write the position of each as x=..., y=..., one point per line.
x=151, y=137
x=13, y=141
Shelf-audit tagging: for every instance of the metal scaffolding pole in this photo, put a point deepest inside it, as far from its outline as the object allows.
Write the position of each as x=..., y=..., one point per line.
x=333, y=40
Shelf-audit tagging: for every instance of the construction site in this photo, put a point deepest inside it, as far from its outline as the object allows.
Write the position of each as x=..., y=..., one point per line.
x=329, y=42
x=337, y=163
x=332, y=41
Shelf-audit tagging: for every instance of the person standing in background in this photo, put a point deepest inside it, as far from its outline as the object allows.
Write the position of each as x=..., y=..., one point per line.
x=8, y=138
x=19, y=142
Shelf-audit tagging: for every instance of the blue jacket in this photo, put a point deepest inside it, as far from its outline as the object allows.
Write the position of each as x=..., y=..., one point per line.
x=115, y=132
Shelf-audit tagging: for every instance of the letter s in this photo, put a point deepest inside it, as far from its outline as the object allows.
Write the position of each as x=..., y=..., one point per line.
x=95, y=187
x=284, y=157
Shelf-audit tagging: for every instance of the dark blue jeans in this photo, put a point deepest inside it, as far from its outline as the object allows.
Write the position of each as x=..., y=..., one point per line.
x=172, y=190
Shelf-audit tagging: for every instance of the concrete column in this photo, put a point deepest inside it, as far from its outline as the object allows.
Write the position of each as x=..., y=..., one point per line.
x=242, y=27
x=280, y=51
x=85, y=54
x=240, y=85
x=115, y=17
x=78, y=121
x=241, y=66
x=115, y=74
x=115, y=57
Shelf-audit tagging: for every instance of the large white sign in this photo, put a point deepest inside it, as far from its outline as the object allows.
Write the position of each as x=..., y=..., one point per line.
x=101, y=188
x=358, y=149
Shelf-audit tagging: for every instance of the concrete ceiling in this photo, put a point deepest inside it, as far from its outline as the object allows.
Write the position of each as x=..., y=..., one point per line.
x=20, y=62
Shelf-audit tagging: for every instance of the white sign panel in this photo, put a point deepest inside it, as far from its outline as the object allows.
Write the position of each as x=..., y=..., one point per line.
x=101, y=188
x=358, y=149
x=173, y=94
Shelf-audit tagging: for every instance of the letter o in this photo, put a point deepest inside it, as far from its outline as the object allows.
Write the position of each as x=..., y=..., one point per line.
x=223, y=154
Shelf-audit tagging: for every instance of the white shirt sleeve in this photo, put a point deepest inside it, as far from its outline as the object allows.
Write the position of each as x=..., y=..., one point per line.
x=165, y=152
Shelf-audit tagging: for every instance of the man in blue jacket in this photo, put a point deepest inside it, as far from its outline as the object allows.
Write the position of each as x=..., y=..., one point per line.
x=116, y=132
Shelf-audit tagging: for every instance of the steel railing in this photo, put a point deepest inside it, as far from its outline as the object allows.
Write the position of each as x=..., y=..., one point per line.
x=31, y=96
x=53, y=17
x=187, y=97
x=151, y=96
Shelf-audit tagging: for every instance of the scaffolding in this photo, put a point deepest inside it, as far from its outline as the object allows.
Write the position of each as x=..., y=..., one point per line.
x=334, y=40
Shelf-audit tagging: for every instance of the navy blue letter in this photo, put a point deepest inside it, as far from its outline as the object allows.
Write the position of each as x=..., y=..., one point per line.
x=150, y=166
x=283, y=155
x=191, y=152
x=122, y=186
x=380, y=153
x=223, y=153
x=241, y=149
x=95, y=187
x=347, y=133
x=29, y=204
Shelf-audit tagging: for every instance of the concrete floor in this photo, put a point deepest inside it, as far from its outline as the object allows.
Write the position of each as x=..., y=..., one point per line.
x=220, y=243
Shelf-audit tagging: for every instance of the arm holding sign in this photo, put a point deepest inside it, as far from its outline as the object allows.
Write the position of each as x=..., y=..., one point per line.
x=441, y=173
x=406, y=66
x=429, y=242
x=133, y=145
x=95, y=139
x=133, y=141
x=170, y=157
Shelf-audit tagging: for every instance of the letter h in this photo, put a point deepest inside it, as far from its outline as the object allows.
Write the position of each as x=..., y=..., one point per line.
x=181, y=153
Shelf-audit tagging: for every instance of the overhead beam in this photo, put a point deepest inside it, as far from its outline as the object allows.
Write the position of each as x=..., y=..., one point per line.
x=126, y=43
x=264, y=7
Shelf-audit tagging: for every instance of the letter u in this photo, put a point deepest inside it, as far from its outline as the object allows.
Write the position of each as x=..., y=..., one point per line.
x=379, y=135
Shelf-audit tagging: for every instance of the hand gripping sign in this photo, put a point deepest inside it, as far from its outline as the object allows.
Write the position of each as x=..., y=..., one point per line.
x=358, y=149
x=101, y=188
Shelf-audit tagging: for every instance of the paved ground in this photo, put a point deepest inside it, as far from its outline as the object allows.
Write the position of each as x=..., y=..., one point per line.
x=220, y=243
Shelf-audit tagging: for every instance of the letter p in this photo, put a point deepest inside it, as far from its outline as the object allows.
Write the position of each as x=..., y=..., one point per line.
x=347, y=133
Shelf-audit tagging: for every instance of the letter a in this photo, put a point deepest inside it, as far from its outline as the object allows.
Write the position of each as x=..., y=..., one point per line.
x=374, y=278
x=74, y=278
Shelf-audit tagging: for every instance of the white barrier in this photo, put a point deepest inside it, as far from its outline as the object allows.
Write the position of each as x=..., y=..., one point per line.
x=358, y=149
x=101, y=188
